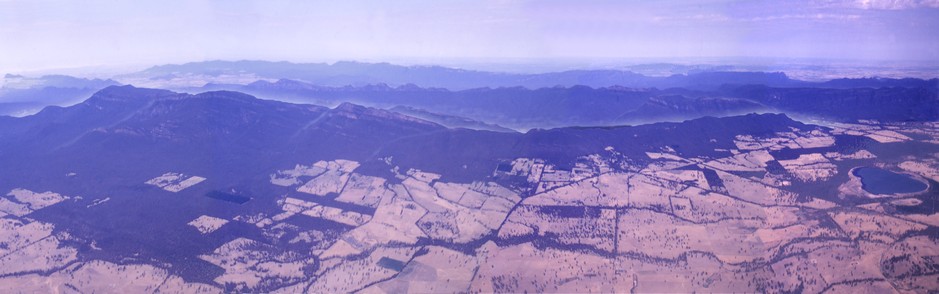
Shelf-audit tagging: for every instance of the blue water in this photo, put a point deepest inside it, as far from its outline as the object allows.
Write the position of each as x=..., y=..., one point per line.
x=240, y=199
x=392, y=264
x=879, y=181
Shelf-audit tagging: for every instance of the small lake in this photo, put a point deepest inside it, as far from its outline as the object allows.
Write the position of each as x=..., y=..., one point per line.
x=879, y=181
x=240, y=199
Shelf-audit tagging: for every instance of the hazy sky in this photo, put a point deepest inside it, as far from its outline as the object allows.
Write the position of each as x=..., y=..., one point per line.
x=37, y=34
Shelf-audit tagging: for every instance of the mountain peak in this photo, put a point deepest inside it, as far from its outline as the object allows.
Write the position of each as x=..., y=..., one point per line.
x=224, y=94
x=127, y=93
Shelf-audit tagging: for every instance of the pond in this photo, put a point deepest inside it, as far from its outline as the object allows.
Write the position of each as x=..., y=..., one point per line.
x=240, y=199
x=880, y=181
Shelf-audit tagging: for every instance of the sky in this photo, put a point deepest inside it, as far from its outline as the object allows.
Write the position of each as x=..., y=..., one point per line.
x=48, y=34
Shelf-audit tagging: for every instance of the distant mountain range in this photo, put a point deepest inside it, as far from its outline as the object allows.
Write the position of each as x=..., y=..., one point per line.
x=523, y=108
x=359, y=74
x=505, y=101
x=515, y=107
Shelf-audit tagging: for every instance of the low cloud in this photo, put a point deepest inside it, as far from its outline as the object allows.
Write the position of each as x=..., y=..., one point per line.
x=724, y=18
x=817, y=16
x=885, y=4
